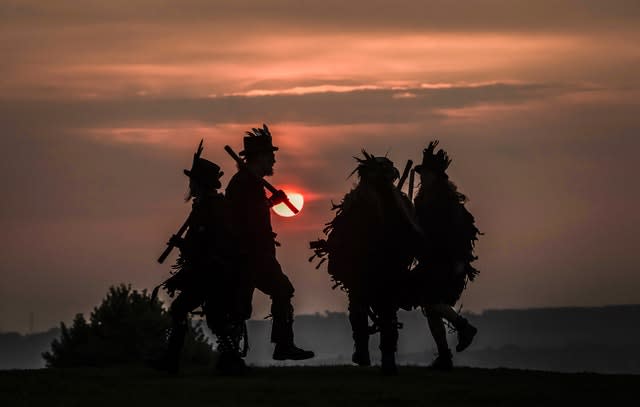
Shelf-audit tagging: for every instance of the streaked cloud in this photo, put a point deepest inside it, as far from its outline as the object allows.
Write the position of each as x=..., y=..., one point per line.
x=102, y=103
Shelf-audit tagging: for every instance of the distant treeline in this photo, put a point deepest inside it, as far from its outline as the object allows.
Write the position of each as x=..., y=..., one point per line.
x=572, y=339
x=599, y=339
x=25, y=351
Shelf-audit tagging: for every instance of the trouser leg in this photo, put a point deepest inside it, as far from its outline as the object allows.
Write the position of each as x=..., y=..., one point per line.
x=466, y=332
x=359, y=319
x=438, y=331
x=444, y=360
x=226, y=310
x=282, y=313
x=229, y=334
x=388, y=330
x=270, y=279
x=179, y=310
x=388, y=338
x=175, y=344
x=444, y=311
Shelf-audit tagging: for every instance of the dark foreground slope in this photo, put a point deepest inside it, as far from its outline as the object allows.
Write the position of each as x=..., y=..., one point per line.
x=311, y=386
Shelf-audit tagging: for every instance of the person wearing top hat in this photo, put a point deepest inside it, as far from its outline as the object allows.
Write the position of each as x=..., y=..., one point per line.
x=208, y=272
x=251, y=218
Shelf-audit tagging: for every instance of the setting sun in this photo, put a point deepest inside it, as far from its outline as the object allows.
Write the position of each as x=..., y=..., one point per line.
x=296, y=199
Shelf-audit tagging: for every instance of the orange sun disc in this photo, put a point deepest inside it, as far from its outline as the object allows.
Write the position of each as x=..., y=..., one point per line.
x=296, y=199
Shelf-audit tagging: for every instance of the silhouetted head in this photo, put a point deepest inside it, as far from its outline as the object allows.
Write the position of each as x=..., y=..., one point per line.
x=434, y=181
x=204, y=175
x=434, y=165
x=259, y=150
x=376, y=169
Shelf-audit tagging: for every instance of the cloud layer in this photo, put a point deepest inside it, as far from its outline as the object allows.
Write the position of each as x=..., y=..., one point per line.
x=102, y=104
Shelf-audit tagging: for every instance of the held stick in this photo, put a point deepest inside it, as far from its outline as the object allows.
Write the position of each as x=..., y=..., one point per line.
x=405, y=173
x=170, y=246
x=411, y=183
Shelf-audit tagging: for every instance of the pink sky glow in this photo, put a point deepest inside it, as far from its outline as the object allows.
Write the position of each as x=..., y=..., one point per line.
x=103, y=103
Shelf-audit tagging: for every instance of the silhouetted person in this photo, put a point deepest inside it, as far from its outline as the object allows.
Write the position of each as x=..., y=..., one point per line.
x=208, y=272
x=444, y=260
x=369, y=247
x=251, y=218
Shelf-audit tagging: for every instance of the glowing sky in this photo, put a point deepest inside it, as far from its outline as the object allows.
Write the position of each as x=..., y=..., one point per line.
x=102, y=104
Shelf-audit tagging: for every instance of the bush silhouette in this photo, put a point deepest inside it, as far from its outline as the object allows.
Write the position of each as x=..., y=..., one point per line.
x=128, y=327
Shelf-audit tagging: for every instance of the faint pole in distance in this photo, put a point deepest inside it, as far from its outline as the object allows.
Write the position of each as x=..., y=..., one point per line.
x=31, y=321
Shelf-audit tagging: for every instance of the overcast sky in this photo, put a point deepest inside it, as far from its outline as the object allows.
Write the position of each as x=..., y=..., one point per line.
x=103, y=103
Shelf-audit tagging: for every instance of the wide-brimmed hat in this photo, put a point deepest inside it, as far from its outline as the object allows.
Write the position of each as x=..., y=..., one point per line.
x=258, y=141
x=205, y=172
x=436, y=163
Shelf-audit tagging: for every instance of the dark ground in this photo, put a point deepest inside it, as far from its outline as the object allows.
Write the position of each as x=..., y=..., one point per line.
x=311, y=386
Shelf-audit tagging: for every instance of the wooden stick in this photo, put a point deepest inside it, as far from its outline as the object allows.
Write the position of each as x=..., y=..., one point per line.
x=412, y=177
x=405, y=173
x=170, y=246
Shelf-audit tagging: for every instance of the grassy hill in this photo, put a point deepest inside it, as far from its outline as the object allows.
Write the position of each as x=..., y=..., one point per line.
x=312, y=386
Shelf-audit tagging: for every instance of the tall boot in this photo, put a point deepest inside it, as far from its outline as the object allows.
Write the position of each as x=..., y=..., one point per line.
x=388, y=343
x=282, y=326
x=361, y=350
x=282, y=333
x=230, y=360
x=360, y=332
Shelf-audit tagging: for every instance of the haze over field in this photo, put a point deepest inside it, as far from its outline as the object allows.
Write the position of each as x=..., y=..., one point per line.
x=103, y=103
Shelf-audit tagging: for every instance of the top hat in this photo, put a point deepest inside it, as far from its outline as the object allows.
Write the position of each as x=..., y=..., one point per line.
x=436, y=163
x=205, y=172
x=258, y=141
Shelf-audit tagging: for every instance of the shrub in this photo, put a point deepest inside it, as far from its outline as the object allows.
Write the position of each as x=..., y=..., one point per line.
x=128, y=327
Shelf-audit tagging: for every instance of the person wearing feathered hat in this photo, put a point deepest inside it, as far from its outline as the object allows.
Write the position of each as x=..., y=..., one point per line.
x=203, y=274
x=251, y=217
x=369, y=248
x=444, y=260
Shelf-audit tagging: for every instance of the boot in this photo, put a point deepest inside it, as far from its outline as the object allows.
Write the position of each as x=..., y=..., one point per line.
x=388, y=365
x=361, y=357
x=361, y=349
x=388, y=323
x=466, y=332
x=230, y=361
x=289, y=351
x=361, y=354
x=282, y=333
x=444, y=361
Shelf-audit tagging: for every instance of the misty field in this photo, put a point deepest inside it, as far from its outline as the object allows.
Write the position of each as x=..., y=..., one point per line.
x=311, y=386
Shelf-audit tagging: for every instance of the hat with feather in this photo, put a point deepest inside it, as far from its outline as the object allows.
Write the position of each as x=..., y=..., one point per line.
x=204, y=171
x=375, y=167
x=434, y=162
x=258, y=140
